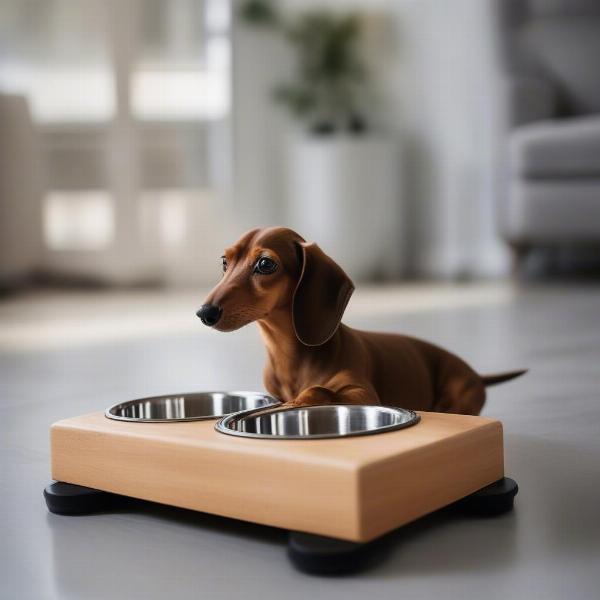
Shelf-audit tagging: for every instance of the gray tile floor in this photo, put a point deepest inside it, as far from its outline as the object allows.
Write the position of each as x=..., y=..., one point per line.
x=548, y=548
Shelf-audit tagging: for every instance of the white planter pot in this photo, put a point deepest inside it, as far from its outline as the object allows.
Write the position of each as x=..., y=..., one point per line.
x=344, y=194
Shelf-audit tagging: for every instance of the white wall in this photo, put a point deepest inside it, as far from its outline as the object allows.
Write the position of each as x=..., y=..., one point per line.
x=260, y=60
x=451, y=116
x=433, y=62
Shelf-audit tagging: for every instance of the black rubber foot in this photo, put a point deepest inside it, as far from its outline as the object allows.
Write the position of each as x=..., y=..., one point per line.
x=68, y=499
x=327, y=556
x=492, y=500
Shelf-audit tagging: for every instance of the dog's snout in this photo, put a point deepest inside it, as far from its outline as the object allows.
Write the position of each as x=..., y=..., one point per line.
x=209, y=314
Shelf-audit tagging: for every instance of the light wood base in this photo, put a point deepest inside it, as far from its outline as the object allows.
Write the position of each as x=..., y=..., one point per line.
x=355, y=489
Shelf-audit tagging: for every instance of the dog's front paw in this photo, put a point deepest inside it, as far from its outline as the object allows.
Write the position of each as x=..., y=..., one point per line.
x=312, y=396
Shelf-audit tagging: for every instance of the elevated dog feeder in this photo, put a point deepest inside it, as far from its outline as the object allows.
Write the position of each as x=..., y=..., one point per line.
x=361, y=486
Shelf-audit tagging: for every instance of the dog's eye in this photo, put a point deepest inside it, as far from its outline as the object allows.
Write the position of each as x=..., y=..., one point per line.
x=224, y=263
x=265, y=266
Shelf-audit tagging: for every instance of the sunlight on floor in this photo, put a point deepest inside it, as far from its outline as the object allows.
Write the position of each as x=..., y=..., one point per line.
x=53, y=320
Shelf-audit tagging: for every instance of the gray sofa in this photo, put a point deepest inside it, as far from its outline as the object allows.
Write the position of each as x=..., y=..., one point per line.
x=550, y=51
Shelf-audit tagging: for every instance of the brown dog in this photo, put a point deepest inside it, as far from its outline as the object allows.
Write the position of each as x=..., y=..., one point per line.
x=297, y=294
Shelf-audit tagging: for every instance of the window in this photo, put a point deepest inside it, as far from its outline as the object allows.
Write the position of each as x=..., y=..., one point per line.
x=57, y=53
x=131, y=98
x=182, y=67
x=81, y=220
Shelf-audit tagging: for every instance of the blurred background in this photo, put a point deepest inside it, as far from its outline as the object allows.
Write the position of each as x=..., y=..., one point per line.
x=414, y=140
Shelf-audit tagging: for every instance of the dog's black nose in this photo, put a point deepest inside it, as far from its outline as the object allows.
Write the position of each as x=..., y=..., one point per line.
x=209, y=314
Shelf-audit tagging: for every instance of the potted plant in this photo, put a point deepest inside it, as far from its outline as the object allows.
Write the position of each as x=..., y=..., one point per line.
x=342, y=178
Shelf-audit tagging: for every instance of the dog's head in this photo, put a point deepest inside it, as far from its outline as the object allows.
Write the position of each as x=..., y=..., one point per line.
x=274, y=268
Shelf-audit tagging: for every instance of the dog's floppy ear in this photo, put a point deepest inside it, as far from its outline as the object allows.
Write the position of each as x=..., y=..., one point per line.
x=321, y=296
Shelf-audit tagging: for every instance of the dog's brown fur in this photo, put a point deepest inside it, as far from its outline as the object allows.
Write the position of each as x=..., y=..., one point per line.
x=312, y=357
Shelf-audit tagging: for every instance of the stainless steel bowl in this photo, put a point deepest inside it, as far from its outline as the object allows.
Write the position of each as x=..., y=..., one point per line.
x=188, y=407
x=316, y=422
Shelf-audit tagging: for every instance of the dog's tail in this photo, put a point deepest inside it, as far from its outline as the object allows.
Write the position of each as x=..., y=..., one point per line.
x=502, y=377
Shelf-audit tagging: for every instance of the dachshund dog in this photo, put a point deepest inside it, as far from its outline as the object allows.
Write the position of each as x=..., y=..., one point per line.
x=297, y=295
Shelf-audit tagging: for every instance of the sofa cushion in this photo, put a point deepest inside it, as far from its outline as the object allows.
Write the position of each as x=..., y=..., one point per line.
x=550, y=211
x=557, y=149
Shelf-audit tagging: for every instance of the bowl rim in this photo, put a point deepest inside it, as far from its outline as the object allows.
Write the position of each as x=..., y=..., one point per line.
x=222, y=424
x=248, y=394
